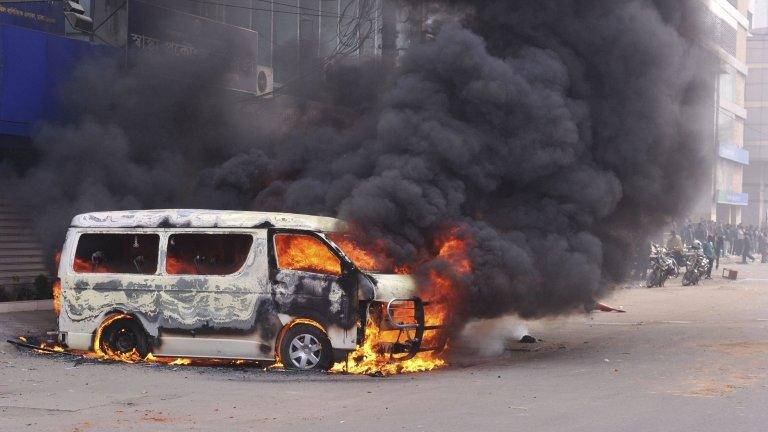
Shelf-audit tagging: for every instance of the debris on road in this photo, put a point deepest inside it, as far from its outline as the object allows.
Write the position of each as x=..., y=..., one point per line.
x=730, y=274
x=602, y=307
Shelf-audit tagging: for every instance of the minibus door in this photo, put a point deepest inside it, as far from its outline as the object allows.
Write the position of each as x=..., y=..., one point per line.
x=310, y=280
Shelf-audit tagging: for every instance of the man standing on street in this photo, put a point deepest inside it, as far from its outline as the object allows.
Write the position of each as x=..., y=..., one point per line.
x=709, y=252
x=745, y=251
x=719, y=248
x=675, y=246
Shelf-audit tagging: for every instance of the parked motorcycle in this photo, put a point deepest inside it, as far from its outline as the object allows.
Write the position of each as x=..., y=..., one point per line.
x=696, y=267
x=662, y=267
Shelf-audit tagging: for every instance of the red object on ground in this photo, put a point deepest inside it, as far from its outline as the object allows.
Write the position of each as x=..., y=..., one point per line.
x=605, y=308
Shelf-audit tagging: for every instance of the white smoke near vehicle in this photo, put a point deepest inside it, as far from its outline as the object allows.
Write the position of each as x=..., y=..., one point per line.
x=491, y=337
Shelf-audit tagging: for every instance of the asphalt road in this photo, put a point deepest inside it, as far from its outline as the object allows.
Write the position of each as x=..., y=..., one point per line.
x=681, y=359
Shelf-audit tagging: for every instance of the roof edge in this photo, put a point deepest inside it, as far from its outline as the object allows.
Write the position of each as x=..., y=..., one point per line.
x=200, y=218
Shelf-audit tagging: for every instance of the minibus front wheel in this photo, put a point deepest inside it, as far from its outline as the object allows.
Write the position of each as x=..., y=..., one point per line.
x=306, y=347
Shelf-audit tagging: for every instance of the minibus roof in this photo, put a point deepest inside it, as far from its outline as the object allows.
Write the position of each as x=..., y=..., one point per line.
x=186, y=218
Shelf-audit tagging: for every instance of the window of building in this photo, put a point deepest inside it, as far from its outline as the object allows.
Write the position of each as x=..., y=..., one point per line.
x=286, y=40
x=728, y=85
x=207, y=254
x=189, y=7
x=309, y=30
x=725, y=127
x=305, y=253
x=756, y=129
x=329, y=25
x=238, y=13
x=722, y=33
x=262, y=23
x=757, y=81
x=116, y=253
x=757, y=51
x=113, y=29
x=213, y=9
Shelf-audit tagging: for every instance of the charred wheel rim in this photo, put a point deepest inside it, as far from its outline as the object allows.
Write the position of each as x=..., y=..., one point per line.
x=305, y=351
x=124, y=341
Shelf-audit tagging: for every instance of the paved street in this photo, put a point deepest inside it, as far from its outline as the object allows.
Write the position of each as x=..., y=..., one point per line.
x=681, y=359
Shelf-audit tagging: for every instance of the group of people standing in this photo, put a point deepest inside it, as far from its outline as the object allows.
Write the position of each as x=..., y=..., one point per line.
x=707, y=248
x=719, y=240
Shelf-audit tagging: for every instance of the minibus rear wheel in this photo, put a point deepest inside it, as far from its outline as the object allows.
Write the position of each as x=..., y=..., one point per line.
x=122, y=336
x=306, y=347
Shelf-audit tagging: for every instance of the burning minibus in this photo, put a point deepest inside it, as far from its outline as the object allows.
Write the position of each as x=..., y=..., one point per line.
x=228, y=285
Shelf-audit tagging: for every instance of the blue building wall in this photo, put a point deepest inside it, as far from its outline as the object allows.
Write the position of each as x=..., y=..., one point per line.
x=47, y=16
x=33, y=66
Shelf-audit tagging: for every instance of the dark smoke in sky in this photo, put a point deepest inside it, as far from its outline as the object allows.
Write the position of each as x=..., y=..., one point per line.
x=558, y=134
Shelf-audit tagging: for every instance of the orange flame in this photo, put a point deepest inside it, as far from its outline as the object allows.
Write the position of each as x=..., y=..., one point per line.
x=441, y=295
x=368, y=358
x=133, y=356
x=81, y=265
x=57, y=297
x=370, y=256
x=178, y=266
x=305, y=253
x=363, y=259
x=56, y=288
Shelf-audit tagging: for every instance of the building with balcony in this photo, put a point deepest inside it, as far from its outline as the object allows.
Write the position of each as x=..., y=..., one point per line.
x=756, y=131
x=728, y=23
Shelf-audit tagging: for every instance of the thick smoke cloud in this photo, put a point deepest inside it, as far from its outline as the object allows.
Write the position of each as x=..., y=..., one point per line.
x=557, y=135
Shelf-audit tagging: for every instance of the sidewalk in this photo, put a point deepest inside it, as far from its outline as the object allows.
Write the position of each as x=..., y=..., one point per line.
x=15, y=324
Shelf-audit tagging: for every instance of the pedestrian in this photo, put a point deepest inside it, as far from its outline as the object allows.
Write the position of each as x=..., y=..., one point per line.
x=732, y=234
x=745, y=251
x=675, y=247
x=719, y=248
x=701, y=233
x=688, y=234
x=709, y=252
x=740, y=239
x=641, y=265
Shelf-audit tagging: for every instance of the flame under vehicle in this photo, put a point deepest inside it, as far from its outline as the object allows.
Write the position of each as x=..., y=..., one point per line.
x=227, y=285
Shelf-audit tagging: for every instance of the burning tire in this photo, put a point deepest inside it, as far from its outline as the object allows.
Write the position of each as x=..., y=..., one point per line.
x=306, y=347
x=122, y=337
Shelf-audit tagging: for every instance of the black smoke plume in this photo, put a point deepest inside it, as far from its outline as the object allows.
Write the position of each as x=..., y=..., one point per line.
x=557, y=135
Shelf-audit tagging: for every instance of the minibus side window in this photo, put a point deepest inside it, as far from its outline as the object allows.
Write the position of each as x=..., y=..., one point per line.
x=116, y=253
x=207, y=254
x=305, y=253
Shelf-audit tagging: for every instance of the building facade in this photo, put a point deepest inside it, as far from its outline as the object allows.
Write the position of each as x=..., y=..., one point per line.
x=296, y=38
x=728, y=22
x=36, y=56
x=756, y=133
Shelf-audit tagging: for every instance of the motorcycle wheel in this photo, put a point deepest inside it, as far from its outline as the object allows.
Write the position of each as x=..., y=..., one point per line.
x=688, y=279
x=652, y=279
x=675, y=270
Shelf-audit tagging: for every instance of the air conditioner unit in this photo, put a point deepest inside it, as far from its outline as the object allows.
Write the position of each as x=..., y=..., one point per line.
x=265, y=83
x=76, y=17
